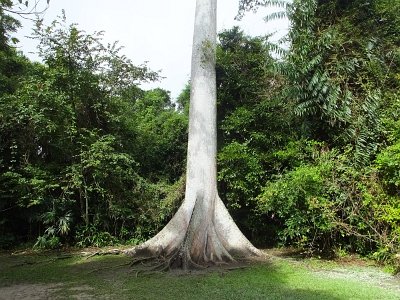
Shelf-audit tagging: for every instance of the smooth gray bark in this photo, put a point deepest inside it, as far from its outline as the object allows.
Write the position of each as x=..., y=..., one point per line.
x=202, y=231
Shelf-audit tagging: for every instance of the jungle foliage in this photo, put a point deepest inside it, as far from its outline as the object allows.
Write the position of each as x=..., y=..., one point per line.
x=309, y=135
x=82, y=145
x=332, y=186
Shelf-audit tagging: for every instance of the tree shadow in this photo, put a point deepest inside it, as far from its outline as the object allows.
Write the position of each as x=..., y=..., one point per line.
x=113, y=277
x=254, y=280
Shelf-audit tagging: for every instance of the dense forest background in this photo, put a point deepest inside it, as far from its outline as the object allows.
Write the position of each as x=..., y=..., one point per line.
x=309, y=135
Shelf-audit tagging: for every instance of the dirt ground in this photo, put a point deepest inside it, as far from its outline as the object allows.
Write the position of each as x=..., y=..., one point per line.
x=42, y=291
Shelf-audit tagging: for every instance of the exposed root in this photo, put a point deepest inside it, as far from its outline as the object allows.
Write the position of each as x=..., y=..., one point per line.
x=179, y=260
x=108, y=267
x=101, y=253
x=142, y=260
x=201, y=235
x=163, y=263
x=149, y=265
x=28, y=262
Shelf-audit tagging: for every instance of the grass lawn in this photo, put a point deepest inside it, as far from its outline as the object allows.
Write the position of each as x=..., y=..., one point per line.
x=40, y=276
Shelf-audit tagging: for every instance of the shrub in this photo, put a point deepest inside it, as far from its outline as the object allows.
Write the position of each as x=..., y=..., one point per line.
x=90, y=236
x=301, y=201
x=329, y=205
x=388, y=164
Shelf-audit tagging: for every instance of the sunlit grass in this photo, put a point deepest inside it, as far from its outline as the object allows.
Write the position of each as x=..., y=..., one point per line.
x=112, y=277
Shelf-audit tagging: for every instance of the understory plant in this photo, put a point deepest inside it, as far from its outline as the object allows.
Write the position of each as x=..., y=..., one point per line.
x=328, y=205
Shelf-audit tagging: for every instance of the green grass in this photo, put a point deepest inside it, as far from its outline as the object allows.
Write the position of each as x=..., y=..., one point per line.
x=107, y=277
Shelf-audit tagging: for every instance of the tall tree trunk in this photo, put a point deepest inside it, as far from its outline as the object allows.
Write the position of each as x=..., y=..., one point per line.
x=202, y=232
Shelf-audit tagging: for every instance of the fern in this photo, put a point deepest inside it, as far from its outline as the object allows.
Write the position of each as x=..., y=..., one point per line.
x=253, y=5
x=275, y=16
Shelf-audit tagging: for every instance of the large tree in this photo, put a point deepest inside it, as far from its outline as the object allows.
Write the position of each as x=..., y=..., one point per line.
x=202, y=232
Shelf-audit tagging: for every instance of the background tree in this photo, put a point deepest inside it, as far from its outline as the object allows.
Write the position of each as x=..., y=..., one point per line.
x=72, y=147
x=253, y=121
x=338, y=77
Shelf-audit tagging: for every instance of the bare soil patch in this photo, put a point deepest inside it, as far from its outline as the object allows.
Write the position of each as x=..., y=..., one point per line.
x=45, y=291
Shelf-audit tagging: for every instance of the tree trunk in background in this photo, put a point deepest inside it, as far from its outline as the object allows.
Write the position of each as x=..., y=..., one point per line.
x=202, y=231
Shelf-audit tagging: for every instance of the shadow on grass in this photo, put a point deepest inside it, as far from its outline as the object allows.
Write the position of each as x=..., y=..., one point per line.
x=112, y=277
